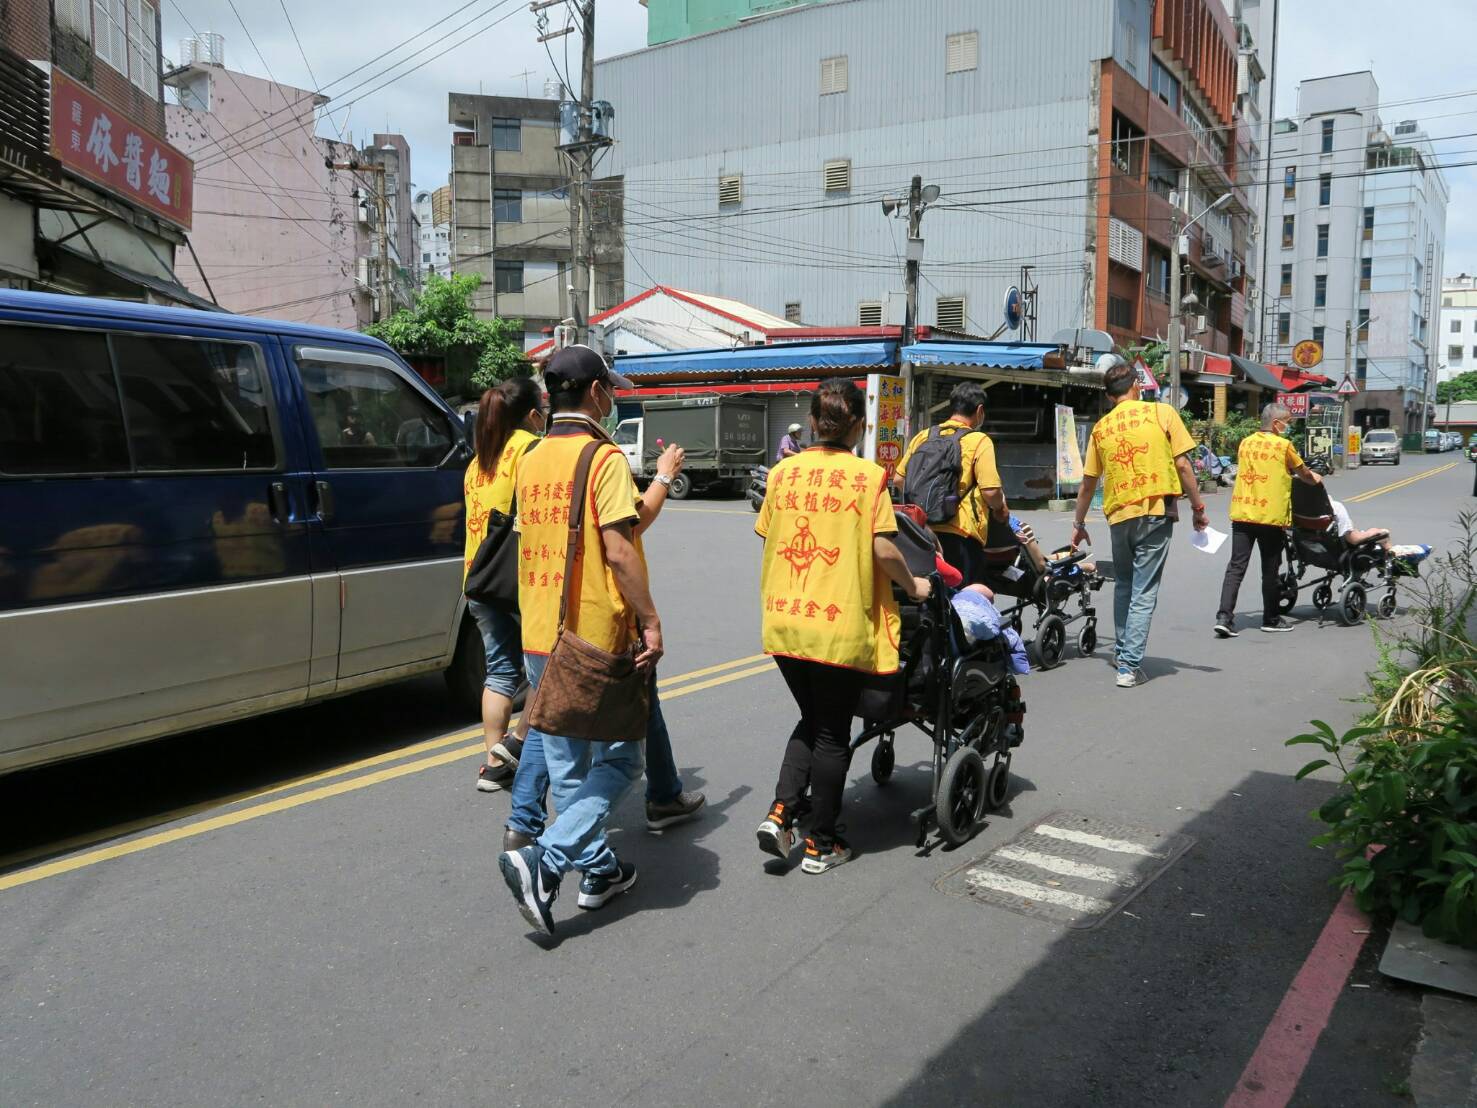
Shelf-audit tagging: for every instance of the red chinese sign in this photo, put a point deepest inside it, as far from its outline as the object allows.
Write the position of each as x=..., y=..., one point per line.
x=98, y=142
x=1296, y=403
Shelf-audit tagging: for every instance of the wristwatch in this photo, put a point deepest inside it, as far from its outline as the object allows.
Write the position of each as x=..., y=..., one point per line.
x=664, y=479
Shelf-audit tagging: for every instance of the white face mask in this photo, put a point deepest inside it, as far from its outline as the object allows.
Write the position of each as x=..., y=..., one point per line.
x=609, y=397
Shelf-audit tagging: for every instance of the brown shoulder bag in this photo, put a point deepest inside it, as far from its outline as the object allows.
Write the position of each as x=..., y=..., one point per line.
x=585, y=692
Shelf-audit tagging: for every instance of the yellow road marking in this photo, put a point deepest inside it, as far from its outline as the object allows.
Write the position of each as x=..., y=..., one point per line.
x=1394, y=485
x=714, y=511
x=297, y=800
x=388, y=756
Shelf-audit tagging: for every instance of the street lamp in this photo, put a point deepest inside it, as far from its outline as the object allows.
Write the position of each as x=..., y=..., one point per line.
x=1181, y=244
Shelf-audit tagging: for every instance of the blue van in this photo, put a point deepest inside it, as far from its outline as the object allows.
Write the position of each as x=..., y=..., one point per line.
x=211, y=516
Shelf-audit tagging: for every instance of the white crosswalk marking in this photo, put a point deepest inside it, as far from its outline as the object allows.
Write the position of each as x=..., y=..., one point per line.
x=1028, y=890
x=1118, y=846
x=1065, y=866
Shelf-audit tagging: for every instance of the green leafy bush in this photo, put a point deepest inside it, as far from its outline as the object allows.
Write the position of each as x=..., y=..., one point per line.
x=443, y=323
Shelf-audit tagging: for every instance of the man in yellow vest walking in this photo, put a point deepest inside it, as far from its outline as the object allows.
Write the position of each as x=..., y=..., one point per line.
x=1261, y=512
x=1141, y=451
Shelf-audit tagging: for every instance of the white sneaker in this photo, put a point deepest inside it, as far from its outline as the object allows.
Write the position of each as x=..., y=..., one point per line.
x=1129, y=678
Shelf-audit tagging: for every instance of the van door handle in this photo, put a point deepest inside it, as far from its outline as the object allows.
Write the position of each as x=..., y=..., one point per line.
x=324, y=493
x=277, y=501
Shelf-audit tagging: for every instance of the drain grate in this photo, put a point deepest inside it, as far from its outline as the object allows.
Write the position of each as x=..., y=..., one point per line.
x=1068, y=868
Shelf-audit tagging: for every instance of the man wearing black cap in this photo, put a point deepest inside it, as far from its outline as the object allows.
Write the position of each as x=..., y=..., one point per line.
x=587, y=780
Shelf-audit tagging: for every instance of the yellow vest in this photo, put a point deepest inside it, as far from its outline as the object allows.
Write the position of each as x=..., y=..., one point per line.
x=823, y=597
x=1135, y=456
x=489, y=492
x=1263, y=491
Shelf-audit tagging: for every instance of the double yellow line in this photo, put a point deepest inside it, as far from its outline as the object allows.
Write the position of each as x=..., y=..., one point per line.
x=670, y=688
x=1372, y=493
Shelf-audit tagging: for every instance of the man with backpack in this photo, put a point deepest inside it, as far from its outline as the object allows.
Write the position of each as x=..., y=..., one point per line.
x=949, y=471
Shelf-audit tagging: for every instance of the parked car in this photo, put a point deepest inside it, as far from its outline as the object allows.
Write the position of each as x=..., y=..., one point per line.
x=210, y=517
x=1434, y=441
x=1380, y=445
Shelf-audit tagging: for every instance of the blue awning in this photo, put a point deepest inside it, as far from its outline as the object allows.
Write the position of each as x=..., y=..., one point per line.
x=816, y=358
x=989, y=355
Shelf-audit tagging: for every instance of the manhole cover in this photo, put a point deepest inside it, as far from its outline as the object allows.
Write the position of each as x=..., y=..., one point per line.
x=1068, y=868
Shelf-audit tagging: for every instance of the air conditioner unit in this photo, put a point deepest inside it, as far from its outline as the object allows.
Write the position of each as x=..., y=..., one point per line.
x=362, y=273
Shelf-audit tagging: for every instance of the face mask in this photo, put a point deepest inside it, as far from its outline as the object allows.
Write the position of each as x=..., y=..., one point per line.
x=609, y=406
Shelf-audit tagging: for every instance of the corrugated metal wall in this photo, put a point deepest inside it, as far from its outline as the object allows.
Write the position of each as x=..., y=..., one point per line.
x=1011, y=137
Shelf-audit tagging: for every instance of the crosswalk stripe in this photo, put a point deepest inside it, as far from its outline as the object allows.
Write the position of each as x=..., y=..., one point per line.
x=1085, y=838
x=1064, y=866
x=1028, y=890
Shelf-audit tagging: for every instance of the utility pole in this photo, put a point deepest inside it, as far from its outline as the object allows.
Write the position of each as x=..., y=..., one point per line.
x=382, y=211
x=915, y=258
x=1175, y=338
x=1343, y=451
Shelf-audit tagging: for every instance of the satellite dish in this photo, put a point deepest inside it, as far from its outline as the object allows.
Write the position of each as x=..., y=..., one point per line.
x=930, y=193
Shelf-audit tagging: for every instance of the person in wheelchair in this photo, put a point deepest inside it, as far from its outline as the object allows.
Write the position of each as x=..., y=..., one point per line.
x=1016, y=566
x=1410, y=553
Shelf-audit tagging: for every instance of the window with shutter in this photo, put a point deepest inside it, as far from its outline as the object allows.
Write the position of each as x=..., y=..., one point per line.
x=869, y=313
x=792, y=312
x=950, y=314
x=833, y=75
x=143, y=46
x=110, y=38
x=1125, y=244
x=962, y=52
x=838, y=176
x=730, y=189
x=75, y=16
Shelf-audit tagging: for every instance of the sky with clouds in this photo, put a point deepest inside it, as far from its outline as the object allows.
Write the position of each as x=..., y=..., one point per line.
x=490, y=45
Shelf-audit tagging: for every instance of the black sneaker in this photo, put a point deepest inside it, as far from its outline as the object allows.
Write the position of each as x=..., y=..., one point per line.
x=599, y=889
x=685, y=807
x=1224, y=630
x=532, y=885
x=819, y=859
x=1281, y=625
x=490, y=779
x=510, y=750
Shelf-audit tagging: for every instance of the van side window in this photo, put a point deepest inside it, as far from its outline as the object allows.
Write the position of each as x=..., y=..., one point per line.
x=369, y=417
x=59, y=408
x=194, y=404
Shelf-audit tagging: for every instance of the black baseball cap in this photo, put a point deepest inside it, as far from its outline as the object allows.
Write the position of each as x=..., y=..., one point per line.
x=574, y=367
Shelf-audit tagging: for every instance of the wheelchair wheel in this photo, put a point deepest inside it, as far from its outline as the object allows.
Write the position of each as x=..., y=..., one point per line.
x=884, y=757
x=1087, y=639
x=997, y=784
x=1322, y=597
x=1287, y=593
x=1387, y=605
x=1051, y=640
x=961, y=796
x=1353, y=602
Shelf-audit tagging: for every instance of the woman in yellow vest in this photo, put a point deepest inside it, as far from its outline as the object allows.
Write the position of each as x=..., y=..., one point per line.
x=509, y=419
x=1261, y=512
x=1142, y=453
x=830, y=619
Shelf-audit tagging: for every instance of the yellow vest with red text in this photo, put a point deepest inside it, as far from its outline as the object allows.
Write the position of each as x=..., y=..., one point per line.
x=1263, y=490
x=1136, y=459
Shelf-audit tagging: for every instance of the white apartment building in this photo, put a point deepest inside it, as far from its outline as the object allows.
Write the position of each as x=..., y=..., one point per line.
x=432, y=211
x=1356, y=240
x=1456, y=339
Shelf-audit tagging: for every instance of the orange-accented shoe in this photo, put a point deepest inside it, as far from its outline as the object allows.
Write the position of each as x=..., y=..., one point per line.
x=776, y=834
x=818, y=859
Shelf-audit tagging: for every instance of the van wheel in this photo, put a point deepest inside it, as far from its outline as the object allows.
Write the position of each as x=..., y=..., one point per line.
x=467, y=674
x=681, y=487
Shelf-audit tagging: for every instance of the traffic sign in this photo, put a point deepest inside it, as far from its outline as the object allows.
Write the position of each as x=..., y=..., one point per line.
x=1307, y=354
x=1347, y=388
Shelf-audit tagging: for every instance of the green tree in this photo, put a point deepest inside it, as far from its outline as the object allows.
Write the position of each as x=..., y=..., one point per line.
x=1461, y=387
x=442, y=323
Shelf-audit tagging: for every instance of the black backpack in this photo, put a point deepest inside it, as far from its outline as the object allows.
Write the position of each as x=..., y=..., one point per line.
x=932, y=481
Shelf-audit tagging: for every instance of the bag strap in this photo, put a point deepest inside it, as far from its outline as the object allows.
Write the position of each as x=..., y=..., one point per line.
x=576, y=523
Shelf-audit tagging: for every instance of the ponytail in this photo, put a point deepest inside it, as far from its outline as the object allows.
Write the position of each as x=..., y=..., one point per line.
x=501, y=411
x=836, y=407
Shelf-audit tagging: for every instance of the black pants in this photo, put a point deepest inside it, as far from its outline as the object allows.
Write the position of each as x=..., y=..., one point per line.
x=964, y=554
x=819, y=751
x=1270, y=540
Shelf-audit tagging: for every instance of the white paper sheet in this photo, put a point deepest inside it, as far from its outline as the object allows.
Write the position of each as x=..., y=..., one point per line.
x=1208, y=541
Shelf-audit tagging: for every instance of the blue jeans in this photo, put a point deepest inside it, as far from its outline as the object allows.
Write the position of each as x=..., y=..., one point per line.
x=502, y=642
x=1140, y=550
x=663, y=784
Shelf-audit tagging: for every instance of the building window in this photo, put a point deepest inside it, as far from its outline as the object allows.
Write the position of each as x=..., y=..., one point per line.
x=1158, y=274
x=1369, y=223
x=834, y=74
x=1446, y=301
x=950, y=312
x=1164, y=175
x=1290, y=183
x=1456, y=326
x=1120, y=312
x=1323, y=240
x=1364, y=321
x=836, y=177
x=111, y=39
x=792, y=312
x=1453, y=353
x=730, y=189
x=1163, y=84
x=1320, y=291
x=507, y=134
x=75, y=16
x=1288, y=227
x=962, y=52
x=1366, y=271
x=1285, y=288
x=1327, y=146
x=425, y=259
x=1361, y=369
x=507, y=205
x=507, y=276
x=1128, y=146
x=143, y=46
x=1325, y=189
x=869, y=313
x=1284, y=327
x=1318, y=333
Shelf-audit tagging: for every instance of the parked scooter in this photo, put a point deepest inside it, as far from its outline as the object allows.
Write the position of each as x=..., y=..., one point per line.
x=1321, y=464
x=758, y=486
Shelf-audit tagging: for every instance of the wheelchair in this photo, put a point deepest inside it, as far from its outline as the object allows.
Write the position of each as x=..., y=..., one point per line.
x=1043, y=595
x=1340, y=576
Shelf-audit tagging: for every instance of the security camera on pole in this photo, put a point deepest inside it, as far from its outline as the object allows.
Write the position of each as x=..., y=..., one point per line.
x=1181, y=246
